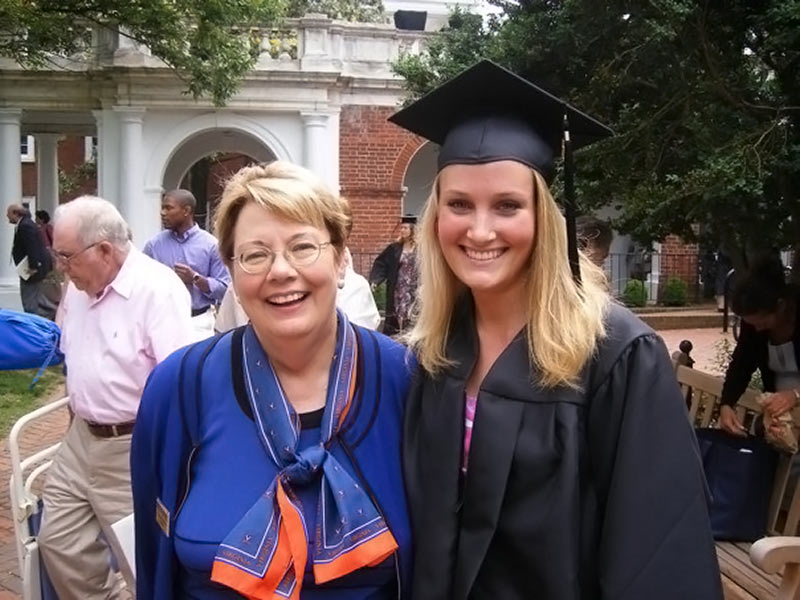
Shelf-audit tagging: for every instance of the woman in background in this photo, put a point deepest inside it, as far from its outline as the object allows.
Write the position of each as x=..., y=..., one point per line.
x=45, y=227
x=769, y=342
x=397, y=267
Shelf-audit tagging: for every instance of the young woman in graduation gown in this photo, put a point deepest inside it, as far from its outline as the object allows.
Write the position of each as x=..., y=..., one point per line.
x=266, y=461
x=547, y=450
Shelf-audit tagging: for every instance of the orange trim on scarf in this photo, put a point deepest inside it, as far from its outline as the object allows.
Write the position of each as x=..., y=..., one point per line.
x=364, y=555
x=258, y=588
x=295, y=538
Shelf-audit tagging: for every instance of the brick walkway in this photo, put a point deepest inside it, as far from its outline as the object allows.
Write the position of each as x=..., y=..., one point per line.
x=52, y=429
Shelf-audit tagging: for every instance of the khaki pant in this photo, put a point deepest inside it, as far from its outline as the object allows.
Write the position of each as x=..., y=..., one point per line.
x=88, y=488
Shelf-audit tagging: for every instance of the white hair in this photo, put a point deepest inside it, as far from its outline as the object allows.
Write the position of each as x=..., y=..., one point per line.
x=97, y=220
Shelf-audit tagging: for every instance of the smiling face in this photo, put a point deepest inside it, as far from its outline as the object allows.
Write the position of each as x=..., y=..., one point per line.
x=486, y=226
x=285, y=302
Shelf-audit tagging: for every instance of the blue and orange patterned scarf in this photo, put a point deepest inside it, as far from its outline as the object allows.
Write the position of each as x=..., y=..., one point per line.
x=265, y=554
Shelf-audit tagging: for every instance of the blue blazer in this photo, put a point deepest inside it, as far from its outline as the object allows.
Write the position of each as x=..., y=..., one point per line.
x=166, y=439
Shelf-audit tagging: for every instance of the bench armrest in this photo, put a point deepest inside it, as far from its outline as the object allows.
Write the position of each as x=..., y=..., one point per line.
x=772, y=553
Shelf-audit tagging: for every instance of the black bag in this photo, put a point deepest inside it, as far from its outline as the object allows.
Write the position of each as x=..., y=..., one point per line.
x=740, y=472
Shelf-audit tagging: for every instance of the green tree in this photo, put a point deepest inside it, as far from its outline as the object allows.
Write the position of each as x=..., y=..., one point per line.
x=358, y=11
x=211, y=44
x=704, y=97
x=205, y=41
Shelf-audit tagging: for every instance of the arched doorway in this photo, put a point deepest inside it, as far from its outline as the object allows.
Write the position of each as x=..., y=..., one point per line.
x=419, y=178
x=206, y=179
x=204, y=162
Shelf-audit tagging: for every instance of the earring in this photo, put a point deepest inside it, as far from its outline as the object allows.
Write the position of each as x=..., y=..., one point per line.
x=340, y=284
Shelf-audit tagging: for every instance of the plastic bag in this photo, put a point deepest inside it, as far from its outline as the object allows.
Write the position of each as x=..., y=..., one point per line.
x=779, y=431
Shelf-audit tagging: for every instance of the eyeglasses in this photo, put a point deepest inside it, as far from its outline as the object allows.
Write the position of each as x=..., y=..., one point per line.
x=64, y=259
x=259, y=260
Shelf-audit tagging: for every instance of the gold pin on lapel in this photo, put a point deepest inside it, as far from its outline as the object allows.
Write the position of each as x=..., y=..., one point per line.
x=162, y=516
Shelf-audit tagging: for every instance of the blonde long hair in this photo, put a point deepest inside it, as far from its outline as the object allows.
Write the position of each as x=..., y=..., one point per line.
x=565, y=320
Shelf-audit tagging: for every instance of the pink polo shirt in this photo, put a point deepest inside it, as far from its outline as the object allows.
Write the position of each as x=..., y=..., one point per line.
x=111, y=343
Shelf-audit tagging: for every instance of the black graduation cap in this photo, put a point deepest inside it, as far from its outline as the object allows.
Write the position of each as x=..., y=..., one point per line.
x=487, y=113
x=410, y=219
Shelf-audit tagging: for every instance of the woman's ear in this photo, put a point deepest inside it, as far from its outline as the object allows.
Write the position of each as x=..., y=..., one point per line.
x=343, y=262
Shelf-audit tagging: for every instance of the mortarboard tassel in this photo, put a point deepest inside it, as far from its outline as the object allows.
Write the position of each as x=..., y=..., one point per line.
x=569, y=204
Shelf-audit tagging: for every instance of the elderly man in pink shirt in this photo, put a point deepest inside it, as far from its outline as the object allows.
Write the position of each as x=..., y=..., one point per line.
x=122, y=314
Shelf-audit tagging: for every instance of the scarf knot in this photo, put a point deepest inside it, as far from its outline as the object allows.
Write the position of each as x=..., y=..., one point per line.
x=309, y=462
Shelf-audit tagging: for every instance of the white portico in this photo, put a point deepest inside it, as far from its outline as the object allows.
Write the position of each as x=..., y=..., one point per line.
x=149, y=133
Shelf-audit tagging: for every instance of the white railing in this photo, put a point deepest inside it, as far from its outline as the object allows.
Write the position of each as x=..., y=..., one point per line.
x=310, y=43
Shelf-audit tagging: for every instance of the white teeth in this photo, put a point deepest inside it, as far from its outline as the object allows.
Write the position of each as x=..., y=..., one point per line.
x=286, y=298
x=482, y=255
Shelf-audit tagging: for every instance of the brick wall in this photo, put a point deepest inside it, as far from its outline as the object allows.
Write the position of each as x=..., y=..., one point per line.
x=679, y=259
x=373, y=157
x=71, y=152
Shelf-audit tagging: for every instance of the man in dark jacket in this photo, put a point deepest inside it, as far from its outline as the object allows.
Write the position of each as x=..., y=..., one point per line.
x=28, y=244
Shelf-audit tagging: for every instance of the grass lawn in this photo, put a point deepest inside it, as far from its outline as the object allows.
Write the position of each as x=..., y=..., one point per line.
x=15, y=397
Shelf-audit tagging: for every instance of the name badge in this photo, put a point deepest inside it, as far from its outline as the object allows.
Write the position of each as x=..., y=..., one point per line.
x=162, y=516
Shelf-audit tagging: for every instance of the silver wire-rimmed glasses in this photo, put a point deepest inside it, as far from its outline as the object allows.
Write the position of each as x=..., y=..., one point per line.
x=257, y=260
x=64, y=259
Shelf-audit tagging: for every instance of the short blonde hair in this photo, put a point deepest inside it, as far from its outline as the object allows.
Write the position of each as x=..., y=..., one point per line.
x=287, y=190
x=565, y=319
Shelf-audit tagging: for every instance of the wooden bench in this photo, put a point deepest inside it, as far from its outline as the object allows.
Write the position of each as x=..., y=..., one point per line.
x=741, y=578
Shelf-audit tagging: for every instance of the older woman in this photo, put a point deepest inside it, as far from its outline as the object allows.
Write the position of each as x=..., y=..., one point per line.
x=547, y=451
x=266, y=461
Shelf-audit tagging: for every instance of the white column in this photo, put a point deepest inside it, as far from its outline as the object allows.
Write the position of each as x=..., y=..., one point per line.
x=10, y=188
x=104, y=161
x=316, y=145
x=47, y=171
x=333, y=138
x=151, y=223
x=131, y=171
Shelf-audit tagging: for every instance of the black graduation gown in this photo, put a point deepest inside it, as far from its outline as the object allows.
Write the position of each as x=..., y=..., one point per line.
x=569, y=495
x=385, y=269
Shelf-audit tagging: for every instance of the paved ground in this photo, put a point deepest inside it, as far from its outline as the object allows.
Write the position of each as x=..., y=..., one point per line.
x=37, y=436
x=707, y=344
x=51, y=429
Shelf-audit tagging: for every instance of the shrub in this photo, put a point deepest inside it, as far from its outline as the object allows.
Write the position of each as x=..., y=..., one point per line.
x=676, y=293
x=723, y=351
x=635, y=293
x=379, y=293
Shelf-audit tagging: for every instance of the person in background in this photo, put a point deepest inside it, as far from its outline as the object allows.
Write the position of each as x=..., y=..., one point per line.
x=33, y=261
x=769, y=342
x=285, y=432
x=396, y=266
x=355, y=294
x=723, y=267
x=547, y=451
x=192, y=253
x=45, y=227
x=594, y=238
x=122, y=313
x=230, y=313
